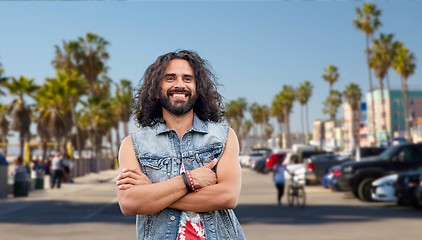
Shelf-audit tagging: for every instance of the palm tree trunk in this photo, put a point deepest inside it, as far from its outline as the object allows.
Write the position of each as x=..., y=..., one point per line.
x=111, y=143
x=117, y=140
x=384, y=120
x=301, y=118
x=287, y=126
x=307, y=122
x=21, y=142
x=78, y=134
x=126, y=128
x=406, y=109
x=372, y=92
x=389, y=133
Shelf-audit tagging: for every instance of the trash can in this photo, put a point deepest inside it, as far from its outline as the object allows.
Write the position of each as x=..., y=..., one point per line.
x=38, y=177
x=3, y=181
x=21, y=185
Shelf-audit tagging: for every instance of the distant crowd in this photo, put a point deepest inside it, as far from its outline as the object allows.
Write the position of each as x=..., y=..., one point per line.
x=59, y=167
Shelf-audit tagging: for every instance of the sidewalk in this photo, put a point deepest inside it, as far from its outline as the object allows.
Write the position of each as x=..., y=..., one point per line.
x=66, y=188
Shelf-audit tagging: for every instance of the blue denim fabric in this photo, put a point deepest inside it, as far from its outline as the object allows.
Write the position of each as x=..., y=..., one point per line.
x=160, y=153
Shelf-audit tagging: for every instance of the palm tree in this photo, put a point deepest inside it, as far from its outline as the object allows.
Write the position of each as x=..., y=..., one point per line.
x=277, y=112
x=54, y=105
x=18, y=109
x=381, y=57
x=125, y=103
x=331, y=75
x=4, y=127
x=331, y=104
x=68, y=58
x=404, y=64
x=353, y=94
x=265, y=117
x=246, y=128
x=93, y=55
x=304, y=92
x=255, y=111
x=367, y=20
x=286, y=98
x=97, y=113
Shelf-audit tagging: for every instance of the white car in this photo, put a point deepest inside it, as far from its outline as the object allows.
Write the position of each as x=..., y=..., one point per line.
x=383, y=189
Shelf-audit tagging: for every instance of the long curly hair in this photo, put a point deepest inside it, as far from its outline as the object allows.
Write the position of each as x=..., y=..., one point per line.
x=147, y=110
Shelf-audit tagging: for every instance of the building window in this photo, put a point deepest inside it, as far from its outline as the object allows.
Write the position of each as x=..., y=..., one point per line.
x=412, y=102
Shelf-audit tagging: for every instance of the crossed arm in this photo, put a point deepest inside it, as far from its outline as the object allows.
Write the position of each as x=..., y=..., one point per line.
x=220, y=190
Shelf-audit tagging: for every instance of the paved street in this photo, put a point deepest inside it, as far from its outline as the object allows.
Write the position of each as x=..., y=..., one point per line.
x=87, y=209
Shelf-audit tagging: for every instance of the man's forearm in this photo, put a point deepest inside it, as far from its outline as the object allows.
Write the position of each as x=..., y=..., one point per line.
x=207, y=199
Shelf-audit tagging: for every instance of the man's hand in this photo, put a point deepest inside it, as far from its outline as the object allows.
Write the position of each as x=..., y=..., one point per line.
x=204, y=176
x=131, y=177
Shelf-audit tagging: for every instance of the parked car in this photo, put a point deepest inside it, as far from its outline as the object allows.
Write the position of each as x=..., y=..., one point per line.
x=419, y=192
x=326, y=179
x=405, y=188
x=364, y=152
x=318, y=165
x=295, y=159
x=357, y=176
x=258, y=158
x=383, y=189
x=334, y=172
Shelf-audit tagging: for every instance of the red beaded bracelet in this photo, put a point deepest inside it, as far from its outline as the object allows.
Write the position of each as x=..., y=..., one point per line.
x=190, y=179
x=186, y=182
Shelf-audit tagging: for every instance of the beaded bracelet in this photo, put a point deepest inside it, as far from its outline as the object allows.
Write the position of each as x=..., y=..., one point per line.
x=186, y=182
x=192, y=185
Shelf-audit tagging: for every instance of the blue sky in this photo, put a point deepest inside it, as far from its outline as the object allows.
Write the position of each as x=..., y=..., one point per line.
x=254, y=47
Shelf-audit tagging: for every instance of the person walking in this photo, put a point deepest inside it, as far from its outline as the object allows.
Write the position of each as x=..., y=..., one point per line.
x=180, y=174
x=57, y=170
x=278, y=169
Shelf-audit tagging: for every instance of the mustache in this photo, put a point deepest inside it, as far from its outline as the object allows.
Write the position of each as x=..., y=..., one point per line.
x=189, y=93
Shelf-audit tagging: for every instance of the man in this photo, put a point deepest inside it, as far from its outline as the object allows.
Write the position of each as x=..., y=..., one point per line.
x=57, y=169
x=180, y=174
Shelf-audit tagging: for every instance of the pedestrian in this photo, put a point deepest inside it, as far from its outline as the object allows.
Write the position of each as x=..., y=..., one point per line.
x=67, y=168
x=278, y=169
x=180, y=174
x=47, y=165
x=20, y=170
x=57, y=170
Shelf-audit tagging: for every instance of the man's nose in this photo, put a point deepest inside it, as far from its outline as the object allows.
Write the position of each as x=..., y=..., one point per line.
x=180, y=83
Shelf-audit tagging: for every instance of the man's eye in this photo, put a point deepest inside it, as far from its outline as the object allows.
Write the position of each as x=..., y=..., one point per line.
x=188, y=79
x=170, y=78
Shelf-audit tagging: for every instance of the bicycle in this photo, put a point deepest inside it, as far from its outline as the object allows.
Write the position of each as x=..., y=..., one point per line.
x=295, y=192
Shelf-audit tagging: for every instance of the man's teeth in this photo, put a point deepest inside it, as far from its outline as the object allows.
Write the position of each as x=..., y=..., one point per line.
x=178, y=95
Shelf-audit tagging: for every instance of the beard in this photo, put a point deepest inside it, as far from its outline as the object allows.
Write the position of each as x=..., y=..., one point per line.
x=180, y=107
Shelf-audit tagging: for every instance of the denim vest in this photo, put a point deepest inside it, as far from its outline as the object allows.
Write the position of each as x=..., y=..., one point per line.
x=160, y=153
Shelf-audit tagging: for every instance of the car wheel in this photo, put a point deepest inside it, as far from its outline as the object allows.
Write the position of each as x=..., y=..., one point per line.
x=364, y=189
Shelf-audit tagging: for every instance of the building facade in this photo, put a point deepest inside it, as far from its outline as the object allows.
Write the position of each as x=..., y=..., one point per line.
x=389, y=117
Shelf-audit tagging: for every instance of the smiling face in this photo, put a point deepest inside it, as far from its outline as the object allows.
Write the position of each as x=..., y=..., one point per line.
x=178, y=87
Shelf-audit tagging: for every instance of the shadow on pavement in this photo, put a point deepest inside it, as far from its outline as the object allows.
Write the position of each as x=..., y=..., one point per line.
x=51, y=212
x=319, y=214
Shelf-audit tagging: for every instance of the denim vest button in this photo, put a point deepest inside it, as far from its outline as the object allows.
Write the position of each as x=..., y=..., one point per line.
x=172, y=218
x=178, y=161
x=171, y=134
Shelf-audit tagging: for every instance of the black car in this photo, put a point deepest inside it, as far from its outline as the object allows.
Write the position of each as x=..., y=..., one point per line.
x=357, y=176
x=258, y=159
x=406, y=186
x=419, y=191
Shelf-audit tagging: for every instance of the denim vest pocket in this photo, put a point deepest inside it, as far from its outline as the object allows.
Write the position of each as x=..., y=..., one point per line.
x=156, y=168
x=206, y=154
